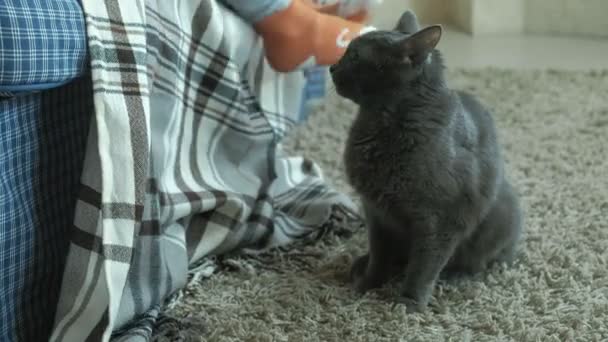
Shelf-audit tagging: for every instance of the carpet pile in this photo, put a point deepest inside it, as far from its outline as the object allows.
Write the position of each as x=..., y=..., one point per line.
x=553, y=126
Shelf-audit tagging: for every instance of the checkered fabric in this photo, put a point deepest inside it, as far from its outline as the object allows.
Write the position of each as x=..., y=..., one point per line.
x=42, y=44
x=183, y=162
x=42, y=144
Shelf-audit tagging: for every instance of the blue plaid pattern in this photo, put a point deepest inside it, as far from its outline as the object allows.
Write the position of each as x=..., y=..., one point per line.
x=42, y=44
x=42, y=144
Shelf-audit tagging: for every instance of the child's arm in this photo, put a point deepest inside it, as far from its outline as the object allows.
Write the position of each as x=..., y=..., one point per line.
x=255, y=10
x=297, y=32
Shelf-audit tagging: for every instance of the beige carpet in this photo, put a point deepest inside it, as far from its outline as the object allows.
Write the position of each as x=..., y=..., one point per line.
x=554, y=128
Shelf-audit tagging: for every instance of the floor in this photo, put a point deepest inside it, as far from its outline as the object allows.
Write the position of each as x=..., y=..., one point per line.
x=523, y=52
x=552, y=126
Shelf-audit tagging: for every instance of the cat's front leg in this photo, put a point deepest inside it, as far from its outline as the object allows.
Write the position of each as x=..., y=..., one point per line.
x=429, y=254
x=372, y=270
x=384, y=259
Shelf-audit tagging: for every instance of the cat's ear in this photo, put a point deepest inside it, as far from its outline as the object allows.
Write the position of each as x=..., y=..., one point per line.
x=408, y=23
x=419, y=45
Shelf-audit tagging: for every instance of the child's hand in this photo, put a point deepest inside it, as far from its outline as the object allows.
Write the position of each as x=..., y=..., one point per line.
x=304, y=33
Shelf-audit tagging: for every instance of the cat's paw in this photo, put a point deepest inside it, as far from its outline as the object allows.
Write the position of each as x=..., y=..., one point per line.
x=361, y=280
x=411, y=305
x=357, y=270
x=364, y=284
x=357, y=274
x=456, y=273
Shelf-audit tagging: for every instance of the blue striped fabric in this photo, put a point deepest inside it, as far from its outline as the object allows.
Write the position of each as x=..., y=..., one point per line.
x=42, y=142
x=42, y=44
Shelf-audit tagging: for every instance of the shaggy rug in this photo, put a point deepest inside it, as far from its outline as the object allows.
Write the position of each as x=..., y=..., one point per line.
x=554, y=129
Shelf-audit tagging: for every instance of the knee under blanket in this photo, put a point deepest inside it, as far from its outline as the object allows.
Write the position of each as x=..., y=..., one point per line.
x=183, y=161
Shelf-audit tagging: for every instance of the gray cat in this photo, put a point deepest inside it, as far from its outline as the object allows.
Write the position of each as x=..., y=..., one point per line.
x=426, y=162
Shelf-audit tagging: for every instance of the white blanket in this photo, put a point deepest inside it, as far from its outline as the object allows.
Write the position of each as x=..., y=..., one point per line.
x=183, y=161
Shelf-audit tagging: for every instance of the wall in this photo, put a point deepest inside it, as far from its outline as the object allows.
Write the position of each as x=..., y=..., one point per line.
x=569, y=17
x=497, y=16
x=474, y=16
x=564, y=17
x=386, y=15
x=460, y=14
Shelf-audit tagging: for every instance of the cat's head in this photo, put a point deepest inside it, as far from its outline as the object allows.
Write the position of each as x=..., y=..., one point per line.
x=379, y=62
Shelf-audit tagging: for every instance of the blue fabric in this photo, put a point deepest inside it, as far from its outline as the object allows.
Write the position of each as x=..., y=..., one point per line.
x=42, y=143
x=314, y=91
x=42, y=44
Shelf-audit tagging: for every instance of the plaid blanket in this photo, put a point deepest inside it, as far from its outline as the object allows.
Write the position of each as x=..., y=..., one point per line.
x=183, y=161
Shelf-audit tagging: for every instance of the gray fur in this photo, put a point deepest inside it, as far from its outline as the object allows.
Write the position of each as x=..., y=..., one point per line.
x=426, y=162
x=408, y=23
